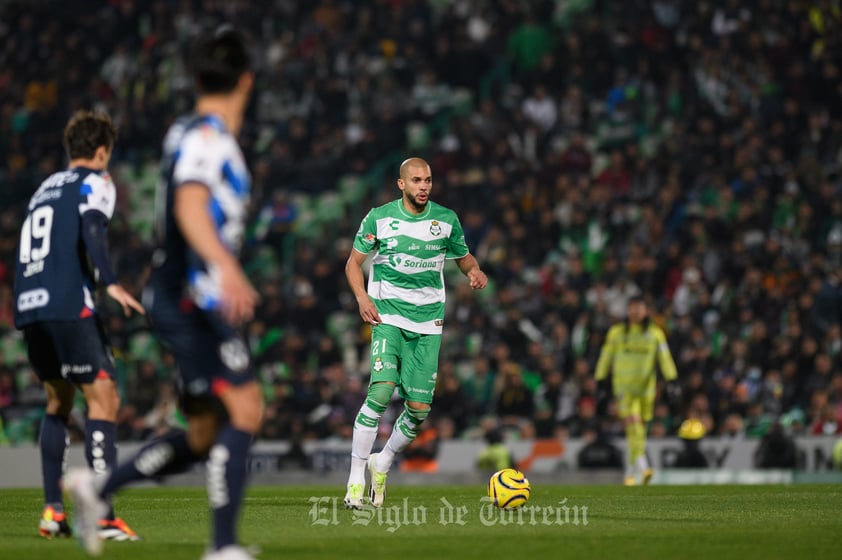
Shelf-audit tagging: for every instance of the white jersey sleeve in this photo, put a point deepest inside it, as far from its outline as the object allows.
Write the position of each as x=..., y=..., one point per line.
x=200, y=157
x=98, y=193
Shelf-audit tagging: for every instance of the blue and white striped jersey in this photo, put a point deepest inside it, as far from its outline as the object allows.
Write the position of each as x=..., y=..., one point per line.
x=199, y=149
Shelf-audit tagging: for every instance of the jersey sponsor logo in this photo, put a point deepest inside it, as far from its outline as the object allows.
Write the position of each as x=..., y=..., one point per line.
x=369, y=238
x=411, y=263
x=33, y=299
x=432, y=247
x=635, y=349
x=414, y=247
x=438, y=322
x=435, y=228
x=391, y=243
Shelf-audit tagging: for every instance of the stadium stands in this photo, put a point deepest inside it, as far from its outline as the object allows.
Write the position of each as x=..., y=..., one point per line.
x=595, y=150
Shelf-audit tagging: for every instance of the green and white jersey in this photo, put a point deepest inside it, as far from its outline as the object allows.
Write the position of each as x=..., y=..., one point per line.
x=406, y=280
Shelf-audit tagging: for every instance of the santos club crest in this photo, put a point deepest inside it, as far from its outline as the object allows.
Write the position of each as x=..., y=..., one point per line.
x=435, y=228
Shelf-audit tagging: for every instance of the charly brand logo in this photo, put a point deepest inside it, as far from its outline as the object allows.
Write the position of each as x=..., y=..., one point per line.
x=327, y=511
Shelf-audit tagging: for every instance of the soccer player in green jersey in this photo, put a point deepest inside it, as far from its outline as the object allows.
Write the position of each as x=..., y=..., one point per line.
x=629, y=352
x=411, y=237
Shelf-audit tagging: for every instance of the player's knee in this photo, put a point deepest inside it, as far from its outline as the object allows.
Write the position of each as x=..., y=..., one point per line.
x=417, y=411
x=59, y=407
x=59, y=398
x=202, y=431
x=245, y=407
x=247, y=418
x=379, y=395
x=103, y=400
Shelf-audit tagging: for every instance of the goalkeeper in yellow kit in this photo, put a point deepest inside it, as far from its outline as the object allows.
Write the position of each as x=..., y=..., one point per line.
x=630, y=351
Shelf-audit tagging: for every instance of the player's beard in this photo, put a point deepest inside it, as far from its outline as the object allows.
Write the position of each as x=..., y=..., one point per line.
x=414, y=202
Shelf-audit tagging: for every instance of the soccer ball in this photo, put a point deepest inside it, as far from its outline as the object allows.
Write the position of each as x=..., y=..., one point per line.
x=508, y=489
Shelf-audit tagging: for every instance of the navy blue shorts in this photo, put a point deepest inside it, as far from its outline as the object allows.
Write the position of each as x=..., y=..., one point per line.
x=76, y=351
x=210, y=355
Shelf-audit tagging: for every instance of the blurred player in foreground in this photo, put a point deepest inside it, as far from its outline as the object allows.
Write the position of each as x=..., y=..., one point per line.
x=198, y=299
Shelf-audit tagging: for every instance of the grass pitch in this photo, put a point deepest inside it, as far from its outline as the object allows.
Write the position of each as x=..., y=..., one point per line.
x=451, y=522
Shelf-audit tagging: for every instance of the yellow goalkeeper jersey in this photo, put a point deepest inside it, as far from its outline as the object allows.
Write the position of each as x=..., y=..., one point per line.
x=629, y=353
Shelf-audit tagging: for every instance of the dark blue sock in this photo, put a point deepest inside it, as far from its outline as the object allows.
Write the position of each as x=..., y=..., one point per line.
x=227, y=482
x=168, y=454
x=53, y=443
x=101, y=450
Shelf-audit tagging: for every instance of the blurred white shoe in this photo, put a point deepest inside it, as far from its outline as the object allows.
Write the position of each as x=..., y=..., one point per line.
x=88, y=508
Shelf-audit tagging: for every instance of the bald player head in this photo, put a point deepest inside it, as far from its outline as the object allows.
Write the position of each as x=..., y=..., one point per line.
x=416, y=182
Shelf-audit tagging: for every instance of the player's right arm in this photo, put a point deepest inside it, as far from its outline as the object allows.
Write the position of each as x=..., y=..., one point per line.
x=190, y=210
x=606, y=355
x=356, y=280
x=364, y=242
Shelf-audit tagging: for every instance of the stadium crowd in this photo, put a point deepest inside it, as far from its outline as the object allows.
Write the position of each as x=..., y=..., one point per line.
x=686, y=151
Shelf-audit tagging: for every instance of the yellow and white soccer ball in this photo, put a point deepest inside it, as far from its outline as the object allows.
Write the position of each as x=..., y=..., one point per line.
x=509, y=489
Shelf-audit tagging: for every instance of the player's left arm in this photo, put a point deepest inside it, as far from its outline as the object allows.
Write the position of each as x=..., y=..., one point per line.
x=470, y=268
x=97, y=207
x=606, y=355
x=665, y=360
x=457, y=249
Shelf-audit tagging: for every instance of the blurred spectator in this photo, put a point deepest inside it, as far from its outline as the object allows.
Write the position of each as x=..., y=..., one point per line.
x=776, y=450
x=598, y=452
x=495, y=455
x=514, y=402
x=584, y=419
x=421, y=454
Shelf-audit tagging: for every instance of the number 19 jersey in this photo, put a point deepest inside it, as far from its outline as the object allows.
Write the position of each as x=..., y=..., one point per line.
x=53, y=278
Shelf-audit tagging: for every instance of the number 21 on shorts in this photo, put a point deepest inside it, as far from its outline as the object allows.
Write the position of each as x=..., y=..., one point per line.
x=378, y=347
